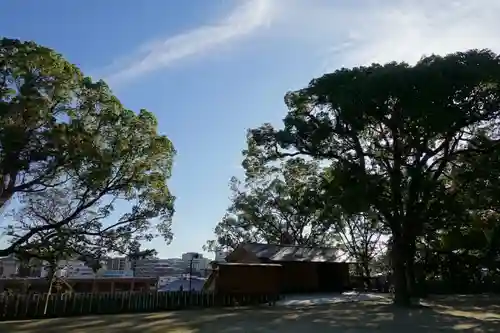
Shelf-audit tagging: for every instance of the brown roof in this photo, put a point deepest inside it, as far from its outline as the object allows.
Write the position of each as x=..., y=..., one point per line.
x=277, y=253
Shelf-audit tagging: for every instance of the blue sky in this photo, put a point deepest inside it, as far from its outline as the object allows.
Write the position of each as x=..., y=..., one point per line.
x=210, y=69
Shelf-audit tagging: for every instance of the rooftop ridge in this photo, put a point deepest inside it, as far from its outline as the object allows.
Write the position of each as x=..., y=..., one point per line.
x=292, y=245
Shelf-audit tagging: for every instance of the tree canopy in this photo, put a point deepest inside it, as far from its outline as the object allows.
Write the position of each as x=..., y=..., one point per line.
x=71, y=153
x=391, y=135
x=276, y=204
x=285, y=204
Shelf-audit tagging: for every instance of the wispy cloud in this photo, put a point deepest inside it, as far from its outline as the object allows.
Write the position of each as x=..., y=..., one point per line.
x=243, y=20
x=404, y=30
x=344, y=33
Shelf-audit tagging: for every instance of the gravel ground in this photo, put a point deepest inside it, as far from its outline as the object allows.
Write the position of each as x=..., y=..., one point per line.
x=462, y=314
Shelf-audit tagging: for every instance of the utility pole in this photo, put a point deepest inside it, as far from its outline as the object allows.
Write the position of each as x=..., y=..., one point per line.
x=194, y=256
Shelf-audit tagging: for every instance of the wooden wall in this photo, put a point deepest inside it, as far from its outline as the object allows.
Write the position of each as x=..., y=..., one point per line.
x=248, y=279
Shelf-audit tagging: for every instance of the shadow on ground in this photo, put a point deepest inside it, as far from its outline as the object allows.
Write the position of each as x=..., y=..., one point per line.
x=444, y=315
x=468, y=302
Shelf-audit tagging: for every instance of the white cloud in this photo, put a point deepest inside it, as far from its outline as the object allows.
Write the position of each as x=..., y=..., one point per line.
x=382, y=31
x=245, y=19
x=414, y=29
x=344, y=33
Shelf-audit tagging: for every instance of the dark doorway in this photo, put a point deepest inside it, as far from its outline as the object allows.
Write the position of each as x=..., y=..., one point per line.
x=330, y=277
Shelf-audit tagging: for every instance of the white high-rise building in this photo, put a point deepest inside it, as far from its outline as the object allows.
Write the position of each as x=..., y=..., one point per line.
x=118, y=264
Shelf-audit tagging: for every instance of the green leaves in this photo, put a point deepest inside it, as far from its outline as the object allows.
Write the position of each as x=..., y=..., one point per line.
x=275, y=201
x=35, y=85
x=67, y=139
x=387, y=129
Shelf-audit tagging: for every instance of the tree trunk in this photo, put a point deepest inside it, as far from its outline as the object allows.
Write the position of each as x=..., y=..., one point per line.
x=410, y=269
x=399, y=267
x=366, y=273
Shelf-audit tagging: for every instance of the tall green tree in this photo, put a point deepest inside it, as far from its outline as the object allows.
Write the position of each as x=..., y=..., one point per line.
x=391, y=133
x=69, y=152
x=276, y=203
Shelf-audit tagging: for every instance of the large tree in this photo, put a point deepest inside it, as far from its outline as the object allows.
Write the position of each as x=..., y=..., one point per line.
x=70, y=152
x=276, y=205
x=391, y=133
x=285, y=204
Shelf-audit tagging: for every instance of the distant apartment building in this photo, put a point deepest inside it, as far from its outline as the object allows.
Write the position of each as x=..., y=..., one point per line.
x=173, y=266
x=201, y=264
x=178, y=264
x=196, y=260
x=191, y=255
x=155, y=268
x=9, y=267
x=118, y=264
x=12, y=267
x=70, y=269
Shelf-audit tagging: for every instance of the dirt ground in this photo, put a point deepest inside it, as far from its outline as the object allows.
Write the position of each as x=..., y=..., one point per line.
x=458, y=313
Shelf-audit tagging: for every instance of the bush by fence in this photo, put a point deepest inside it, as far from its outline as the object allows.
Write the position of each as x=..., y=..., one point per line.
x=18, y=306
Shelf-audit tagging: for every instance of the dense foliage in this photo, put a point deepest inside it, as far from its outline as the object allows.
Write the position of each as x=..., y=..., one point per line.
x=70, y=154
x=279, y=202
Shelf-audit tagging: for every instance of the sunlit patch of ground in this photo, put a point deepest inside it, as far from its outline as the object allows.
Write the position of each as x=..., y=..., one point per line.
x=452, y=314
x=324, y=299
